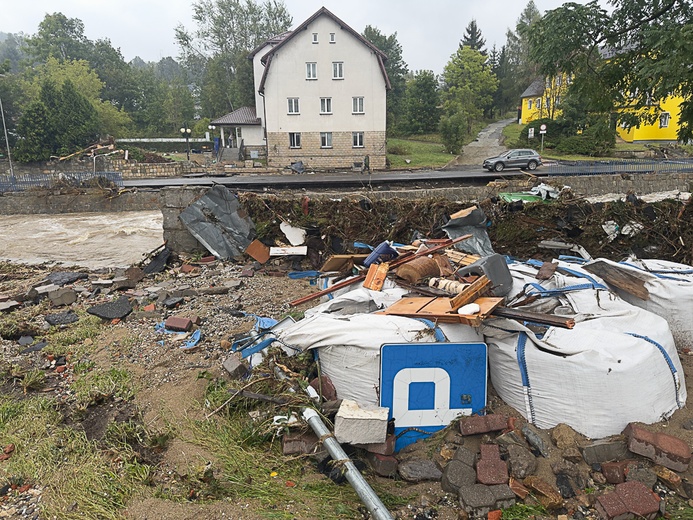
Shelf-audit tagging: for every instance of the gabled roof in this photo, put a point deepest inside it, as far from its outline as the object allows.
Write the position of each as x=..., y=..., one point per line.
x=242, y=116
x=272, y=41
x=536, y=88
x=267, y=58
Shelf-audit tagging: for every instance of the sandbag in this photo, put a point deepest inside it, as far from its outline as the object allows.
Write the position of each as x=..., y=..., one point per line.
x=617, y=365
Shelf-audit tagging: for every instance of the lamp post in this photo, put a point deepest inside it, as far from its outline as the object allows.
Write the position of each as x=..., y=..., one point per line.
x=215, y=144
x=7, y=142
x=185, y=131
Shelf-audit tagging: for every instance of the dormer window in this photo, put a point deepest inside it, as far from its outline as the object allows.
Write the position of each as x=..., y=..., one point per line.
x=315, y=37
x=332, y=40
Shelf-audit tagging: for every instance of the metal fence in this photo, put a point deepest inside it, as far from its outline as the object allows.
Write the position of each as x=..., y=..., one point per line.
x=24, y=182
x=618, y=166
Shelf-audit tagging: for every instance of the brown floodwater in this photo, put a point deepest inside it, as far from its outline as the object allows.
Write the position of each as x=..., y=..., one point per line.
x=92, y=240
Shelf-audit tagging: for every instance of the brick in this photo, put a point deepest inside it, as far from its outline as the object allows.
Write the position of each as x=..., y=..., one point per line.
x=323, y=385
x=381, y=448
x=383, y=465
x=666, y=450
x=639, y=500
x=611, y=507
x=178, y=323
x=615, y=472
x=490, y=469
x=496, y=514
x=356, y=425
x=299, y=443
x=478, y=424
x=187, y=268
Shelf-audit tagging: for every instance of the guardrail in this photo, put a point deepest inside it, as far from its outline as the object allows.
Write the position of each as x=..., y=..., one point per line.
x=24, y=182
x=606, y=167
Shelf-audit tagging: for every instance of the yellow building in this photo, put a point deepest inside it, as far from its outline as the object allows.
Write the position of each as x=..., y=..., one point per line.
x=542, y=99
x=663, y=129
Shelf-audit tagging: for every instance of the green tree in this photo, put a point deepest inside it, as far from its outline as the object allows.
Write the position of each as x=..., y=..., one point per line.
x=60, y=37
x=396, y=70
x=421, y=103
x=522, y=69
x=634, y=56
x=473, y=38
x=215, y=54
x=468, y=87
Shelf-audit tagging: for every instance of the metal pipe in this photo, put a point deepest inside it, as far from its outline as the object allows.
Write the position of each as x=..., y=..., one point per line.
x=352, y=474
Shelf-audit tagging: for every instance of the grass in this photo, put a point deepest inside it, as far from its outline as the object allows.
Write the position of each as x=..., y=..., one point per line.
x=420, y=154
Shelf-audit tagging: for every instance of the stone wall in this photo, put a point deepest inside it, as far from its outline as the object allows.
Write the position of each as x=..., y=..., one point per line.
x=342, y=155
x=74, y=200
x=173, y=201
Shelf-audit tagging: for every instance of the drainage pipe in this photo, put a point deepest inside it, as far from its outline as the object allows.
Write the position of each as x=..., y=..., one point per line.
x=352, y=474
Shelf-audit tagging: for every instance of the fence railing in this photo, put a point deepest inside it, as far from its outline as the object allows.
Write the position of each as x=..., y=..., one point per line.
x=606, y=167
x=24, y=182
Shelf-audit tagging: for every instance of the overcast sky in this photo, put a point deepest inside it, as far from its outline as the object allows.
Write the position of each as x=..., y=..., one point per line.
x=429, y=31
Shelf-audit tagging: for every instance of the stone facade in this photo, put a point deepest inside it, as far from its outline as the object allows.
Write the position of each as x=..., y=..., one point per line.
x=342, y=155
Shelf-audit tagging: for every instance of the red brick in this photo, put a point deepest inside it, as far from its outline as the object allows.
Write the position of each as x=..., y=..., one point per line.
x=611, y=507
x=381, y=448
x=196, y=319
x=490, y=469
x=496, y=514
x=178, y=323
x=383, y=465
x=478, y=424
x=639, y=499
x=667, y=450
x=324, y=384
x=149, y=308
x=615, y=472
x=299, y=443
x=187, y=268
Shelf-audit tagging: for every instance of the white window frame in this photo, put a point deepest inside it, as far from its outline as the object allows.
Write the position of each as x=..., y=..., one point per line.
x=325, y=139
x=357, y=105
x=311, y=70
x=315, y=37
x=294, y=139
x=337, y=70
x=332, y=38
x=664, y=119
x=357, y=140
x=537, y=103
x=529, y=104
x=325, y=105
x=293, y=107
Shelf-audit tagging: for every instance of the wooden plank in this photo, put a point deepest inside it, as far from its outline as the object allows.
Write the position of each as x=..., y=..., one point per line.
x=471, y=293
x=375, y=278
x=537, y=317
x=621, y=277
x=339, y=262
x=438, y=309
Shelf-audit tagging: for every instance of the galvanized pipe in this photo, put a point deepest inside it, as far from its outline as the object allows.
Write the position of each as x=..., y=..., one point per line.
x=352, y=474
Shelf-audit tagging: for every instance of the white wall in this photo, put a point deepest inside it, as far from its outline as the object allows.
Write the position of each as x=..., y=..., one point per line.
x=287, y=78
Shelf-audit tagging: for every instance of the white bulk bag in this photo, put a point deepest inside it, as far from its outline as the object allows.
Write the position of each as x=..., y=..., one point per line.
x=617, y=365
x=670, y=287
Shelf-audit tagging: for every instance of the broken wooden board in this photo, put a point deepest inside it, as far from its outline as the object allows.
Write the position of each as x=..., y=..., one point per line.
x=258, y=251
x=288, y=251
x=536, y=317
x=376, y=275
x=471, y=293
x=438, y=309
x=341, y=262
x=621, y=277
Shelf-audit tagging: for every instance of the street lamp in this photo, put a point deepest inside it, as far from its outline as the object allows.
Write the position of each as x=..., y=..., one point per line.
x=186, y=132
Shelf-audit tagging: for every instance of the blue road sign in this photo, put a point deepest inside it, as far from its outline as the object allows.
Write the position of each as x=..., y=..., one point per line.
x=427, y=385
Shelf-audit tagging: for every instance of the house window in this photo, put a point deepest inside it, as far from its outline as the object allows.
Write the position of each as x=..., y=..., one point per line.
x=292, y=105
x=311, y=70
x=357, y=105
x=315, y=37
x=326, y=105
x=332, y=40
x=548, y=82
x=538, y=103
x=558, y=81
x=294, y=139
x=548, y=104
x=337, y=70
x=357, y=138
x=529, y=104
x=664, y=120
x=325, y=139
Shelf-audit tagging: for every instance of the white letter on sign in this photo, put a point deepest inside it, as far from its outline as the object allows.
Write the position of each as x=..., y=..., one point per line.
x=440, y=415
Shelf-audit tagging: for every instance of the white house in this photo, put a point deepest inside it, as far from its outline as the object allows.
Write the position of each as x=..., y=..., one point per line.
x=320, y=97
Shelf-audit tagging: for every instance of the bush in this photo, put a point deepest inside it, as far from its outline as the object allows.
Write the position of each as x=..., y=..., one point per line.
x=398, y=149
x=452, y=131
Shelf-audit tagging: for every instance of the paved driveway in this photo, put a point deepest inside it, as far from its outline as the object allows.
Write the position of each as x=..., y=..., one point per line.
x=486, y=145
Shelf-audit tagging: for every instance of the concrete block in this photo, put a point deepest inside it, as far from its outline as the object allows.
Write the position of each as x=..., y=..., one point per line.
x=234, y=366
x=419, y=470
x=457, y=475
x=605, y=450
x=521, y=461
x=477, y=500
x=356, y=425
x=62, y=296
x=666, y=450
x=465, y=455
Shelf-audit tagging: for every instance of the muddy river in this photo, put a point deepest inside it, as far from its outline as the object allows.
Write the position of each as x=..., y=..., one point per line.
x=92, y=240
